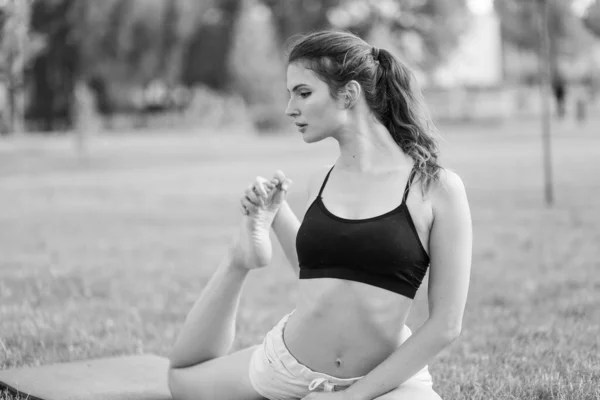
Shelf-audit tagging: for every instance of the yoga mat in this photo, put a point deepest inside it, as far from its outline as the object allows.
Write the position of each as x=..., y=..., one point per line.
x=142, y=377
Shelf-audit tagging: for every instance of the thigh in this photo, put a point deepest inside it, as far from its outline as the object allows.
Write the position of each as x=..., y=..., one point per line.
x=220, y=378
x=412, y=391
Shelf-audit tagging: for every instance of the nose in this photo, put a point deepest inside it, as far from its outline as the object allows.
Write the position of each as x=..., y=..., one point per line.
x=292, y=109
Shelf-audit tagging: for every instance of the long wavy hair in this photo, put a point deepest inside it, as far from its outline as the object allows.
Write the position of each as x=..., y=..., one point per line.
x=390, y=88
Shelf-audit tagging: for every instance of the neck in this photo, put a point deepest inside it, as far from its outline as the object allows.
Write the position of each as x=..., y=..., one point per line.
x=367, y=146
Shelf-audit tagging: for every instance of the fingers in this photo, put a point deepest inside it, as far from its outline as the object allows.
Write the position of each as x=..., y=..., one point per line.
x=252, y=195
x=256, y=195
x=257, y=192
x=280, y=181
x=285, y=185
x=264, y=193
x=282, y=185
x=260, y=187
x=247, y=207
x=278, y=176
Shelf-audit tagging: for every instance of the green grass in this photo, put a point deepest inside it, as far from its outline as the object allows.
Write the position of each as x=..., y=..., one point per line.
x=104, y=255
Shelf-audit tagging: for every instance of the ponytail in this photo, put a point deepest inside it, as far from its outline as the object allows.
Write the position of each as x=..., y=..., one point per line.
x=400, y=107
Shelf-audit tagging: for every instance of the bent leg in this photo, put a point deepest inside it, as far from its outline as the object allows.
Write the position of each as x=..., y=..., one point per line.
x=223, y=378
x=199, y=368
x=213, y=316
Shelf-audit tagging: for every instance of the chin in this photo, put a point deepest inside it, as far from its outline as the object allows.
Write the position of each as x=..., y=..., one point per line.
x=313, y=137
x=309, y=139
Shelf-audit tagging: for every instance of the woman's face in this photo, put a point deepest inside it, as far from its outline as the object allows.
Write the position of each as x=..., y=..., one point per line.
x=316, y=114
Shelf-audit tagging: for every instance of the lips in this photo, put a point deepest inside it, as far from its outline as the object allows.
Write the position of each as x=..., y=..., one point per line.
x=299, y=125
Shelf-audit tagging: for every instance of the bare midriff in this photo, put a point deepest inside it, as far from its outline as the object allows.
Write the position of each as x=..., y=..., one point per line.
x=345, y=328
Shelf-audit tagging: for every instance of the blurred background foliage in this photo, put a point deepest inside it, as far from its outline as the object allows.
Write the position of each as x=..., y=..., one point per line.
x=60, y=59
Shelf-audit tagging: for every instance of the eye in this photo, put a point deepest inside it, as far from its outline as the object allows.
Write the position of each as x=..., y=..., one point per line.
x=305, y=94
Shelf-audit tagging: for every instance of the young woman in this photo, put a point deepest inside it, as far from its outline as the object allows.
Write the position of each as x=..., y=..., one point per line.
x=376, y=220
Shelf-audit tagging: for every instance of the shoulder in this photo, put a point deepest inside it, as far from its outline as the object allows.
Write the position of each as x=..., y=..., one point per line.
x=447, y=192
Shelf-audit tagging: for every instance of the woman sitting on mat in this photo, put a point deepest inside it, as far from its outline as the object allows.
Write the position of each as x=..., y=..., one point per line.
x=376, y=220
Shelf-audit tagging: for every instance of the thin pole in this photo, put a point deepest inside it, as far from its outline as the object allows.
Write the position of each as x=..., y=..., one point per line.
x=545, y=92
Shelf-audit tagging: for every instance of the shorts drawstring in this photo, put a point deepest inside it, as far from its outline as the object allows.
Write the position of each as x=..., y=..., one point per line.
x=315, y=383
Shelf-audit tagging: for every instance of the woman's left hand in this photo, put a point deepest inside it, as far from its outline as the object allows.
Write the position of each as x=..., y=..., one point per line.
x=326, y=396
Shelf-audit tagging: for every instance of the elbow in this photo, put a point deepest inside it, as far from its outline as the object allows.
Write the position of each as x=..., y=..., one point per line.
x=454, y=333
x=451, y=333
x=447, y=331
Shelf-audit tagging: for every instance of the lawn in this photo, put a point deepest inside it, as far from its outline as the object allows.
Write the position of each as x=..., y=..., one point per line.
x=104, y=254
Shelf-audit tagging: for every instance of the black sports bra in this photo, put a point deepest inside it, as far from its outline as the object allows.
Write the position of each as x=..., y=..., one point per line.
x=383, y=251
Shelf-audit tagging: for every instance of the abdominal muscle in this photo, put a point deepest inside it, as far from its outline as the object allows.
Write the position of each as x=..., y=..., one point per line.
x=344, y=328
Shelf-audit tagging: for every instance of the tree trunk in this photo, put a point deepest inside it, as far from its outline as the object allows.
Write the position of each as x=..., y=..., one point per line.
x=55, y=71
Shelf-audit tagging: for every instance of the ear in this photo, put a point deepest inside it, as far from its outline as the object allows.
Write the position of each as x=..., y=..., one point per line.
x=352, y=93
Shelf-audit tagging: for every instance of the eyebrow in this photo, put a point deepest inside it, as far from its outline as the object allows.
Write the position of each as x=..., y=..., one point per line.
x=298, y=86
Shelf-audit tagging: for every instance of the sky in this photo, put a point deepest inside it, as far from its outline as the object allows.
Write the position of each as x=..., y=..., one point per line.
x=485, y=6
x=480, y=6
x=579, y=6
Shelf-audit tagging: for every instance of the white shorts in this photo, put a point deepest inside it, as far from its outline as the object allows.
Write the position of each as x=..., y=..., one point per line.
x=277, y=375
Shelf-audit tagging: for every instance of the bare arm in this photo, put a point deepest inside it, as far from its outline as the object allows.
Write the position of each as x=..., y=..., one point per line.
x=286, y=223
x=285, y=227
x=450, y=245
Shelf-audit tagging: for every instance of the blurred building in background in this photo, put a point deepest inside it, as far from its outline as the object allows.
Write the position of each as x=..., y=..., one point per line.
x=477, y=60
x=469, y=83
x=495, y=71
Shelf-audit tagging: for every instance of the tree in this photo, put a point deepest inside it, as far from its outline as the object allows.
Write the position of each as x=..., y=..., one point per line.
x=133, y=42
x=300, y=16
x=591, y=18
x=18, y=46
x=55, y=71
x=206, y=51
x=440, y=23
x=120, y=46
x=520, y=22
x=435, y=25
